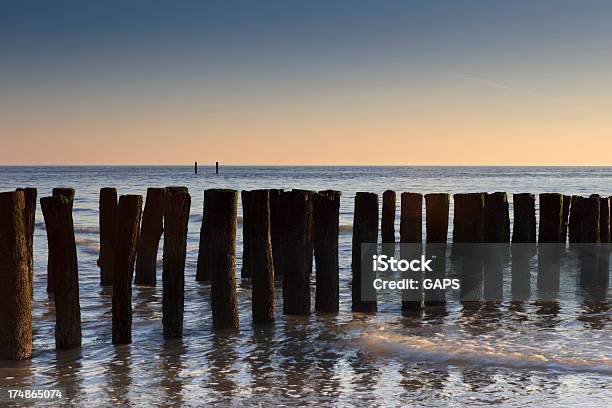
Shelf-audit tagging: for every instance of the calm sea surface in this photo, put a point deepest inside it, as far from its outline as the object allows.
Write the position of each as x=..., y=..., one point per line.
x=508, y=354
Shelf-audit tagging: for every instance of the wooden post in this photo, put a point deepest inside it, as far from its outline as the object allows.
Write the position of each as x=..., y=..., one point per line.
x=247, y=238
x=567, y=199
x=221, y=210
x=108, y=226
x=468, y=233
x=69, y=194
x=575, y=220
x=261, y=262
x=297, y=213
x=604, y=237
x=411, y=232
x=590, y=237
x=496, y=205
x=29, y=220
x=549, y=237
x=523, y=244
x=195, y=167
x=150, y=233
x=203, y=270
x=436, y=206
x=177, y=202
x=60, y=235
x=129, y=212
x=387, y=226
x=216, y=167
x=326, y=233
x=15, y=298
x=276, y=230
x=365, y=230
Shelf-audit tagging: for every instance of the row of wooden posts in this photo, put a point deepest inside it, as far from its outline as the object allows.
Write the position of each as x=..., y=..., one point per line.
x=282, y=230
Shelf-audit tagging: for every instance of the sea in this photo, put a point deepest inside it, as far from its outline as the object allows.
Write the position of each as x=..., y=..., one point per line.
x=505, y=354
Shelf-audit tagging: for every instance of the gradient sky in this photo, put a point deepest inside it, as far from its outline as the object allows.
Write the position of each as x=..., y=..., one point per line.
x=306, y=82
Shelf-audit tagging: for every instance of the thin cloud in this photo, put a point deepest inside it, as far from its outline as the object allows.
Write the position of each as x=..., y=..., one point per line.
x=525, y=92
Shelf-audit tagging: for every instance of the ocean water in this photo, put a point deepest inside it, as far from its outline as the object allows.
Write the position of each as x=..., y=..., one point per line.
x=507, y=354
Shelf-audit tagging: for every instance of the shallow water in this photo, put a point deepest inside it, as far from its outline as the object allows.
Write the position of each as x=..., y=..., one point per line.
x=505, y=353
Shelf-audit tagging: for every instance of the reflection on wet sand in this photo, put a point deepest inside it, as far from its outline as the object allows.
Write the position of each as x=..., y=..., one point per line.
x=119, y=375
x=171, y=367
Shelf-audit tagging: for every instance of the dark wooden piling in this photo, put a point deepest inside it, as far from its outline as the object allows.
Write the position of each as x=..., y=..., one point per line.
x=496, y=206
x=29, y=220
x=276, y=230
x=590, y=238
x=567, y=199
x=129, y=212
x=387, y=225
x=177, y=203
x=261, y=263
x=195, y=167
x=603, y=273
x=203, y=269
x=549, y=238
x=297, y=216
x=604, y=219
x=247, y=236
x=365, y=231
x=216, y=167
x=222, y=207
x=150, y=234
x=69, y=194
x=437, y=209
x=15, y=298
x=523, y=244
x=63, y=267
x=326, y=233
x=575, y=220
x=468, y=235
x=108, y=225
x=411, y=238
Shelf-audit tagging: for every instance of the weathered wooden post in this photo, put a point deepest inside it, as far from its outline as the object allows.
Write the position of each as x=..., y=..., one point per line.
x=604, y=237
x=129, y=213
x=177, y=203
x=496, y=205
x=326, y=232
x=108, y=225
x=549, y=238
x=261, y=262
x=69, y=194
x=150, y=233
x=567, y=199
x=203, y=269
x=468, y=234
x=411, y=238
x=15, y=298
x=575, y=220
x=590, y=238
x=63, y=267
x=297, y=213
x=387, y=225
x=29, y=220
x=365, y=231
x=276, y=230
x=247, y=238
x=221, y=209
x=437, y=208
x=523, y=244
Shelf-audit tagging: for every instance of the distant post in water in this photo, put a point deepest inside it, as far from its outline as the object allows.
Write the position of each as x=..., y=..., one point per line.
x=150, y=234
x=436, y=206
x=221, y=219
x=15, y=293
x=365, y=231
x=276, y=230
x=297, y=213
x=29, y=220
x=549, y=238
x=216, y=167
x=496, y=205
x=326, y=233
x=177, y=202
x=261, y=262
x=411, y=238
x=523, y=245
x=108, y=225
x=63, y=264
x=195, y=167
x=69, y=194
x=128, y=228
x=388, y=223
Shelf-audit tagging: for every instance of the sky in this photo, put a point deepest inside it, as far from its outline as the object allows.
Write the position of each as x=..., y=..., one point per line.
x=306, y=82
